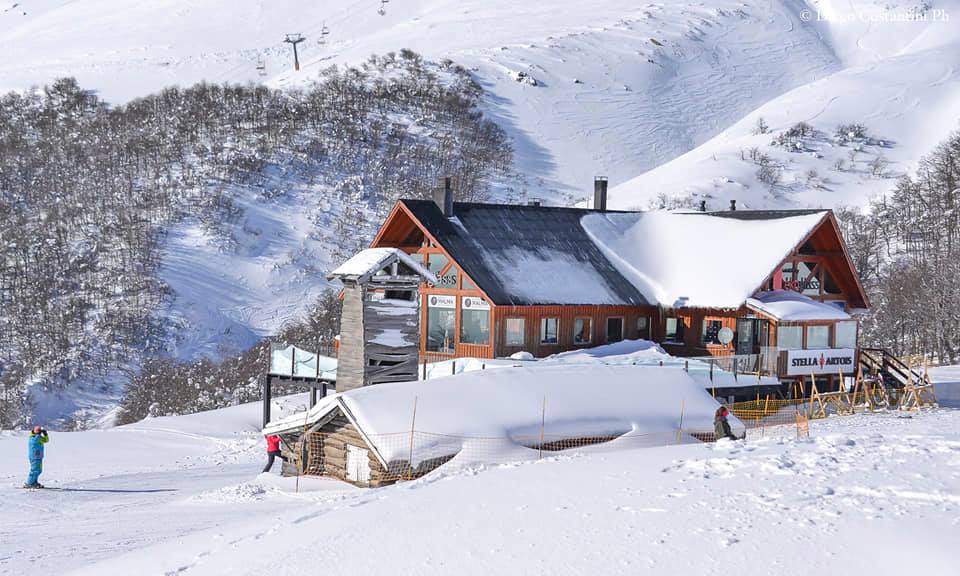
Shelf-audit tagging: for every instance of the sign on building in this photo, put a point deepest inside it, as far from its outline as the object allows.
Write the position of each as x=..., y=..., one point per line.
x=828, y=361
x=440, y=301
x=475, y=303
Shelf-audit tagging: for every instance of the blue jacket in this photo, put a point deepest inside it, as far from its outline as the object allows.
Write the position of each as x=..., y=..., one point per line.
x=35, y=446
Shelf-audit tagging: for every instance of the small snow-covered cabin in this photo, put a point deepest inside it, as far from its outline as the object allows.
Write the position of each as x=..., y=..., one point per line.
x=511, y=278
x=380, y=434
x=380, y=326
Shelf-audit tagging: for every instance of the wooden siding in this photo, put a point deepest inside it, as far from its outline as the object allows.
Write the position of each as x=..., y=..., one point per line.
x=566, y=315
x=328, y=453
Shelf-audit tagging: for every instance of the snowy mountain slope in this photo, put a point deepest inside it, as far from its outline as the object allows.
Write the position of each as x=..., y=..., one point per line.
x=903, y=87
x=182, y=495
x=620, y=87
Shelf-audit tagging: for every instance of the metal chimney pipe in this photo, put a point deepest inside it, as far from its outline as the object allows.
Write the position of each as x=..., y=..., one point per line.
x=733, y=205
x=600, y=193
x=703, y=205
x=443, y=197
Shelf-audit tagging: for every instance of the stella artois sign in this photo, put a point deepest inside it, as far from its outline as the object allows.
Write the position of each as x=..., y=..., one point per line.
x=828, y=361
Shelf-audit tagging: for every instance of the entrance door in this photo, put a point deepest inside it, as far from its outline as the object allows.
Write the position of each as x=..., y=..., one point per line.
x=614, y=329
x=358, y=464
x=746, y=335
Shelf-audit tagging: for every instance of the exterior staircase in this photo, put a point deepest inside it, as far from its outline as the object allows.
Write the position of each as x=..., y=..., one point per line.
x=895, y=372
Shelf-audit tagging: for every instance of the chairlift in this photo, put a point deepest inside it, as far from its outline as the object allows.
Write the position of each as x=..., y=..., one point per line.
x=324, y=31
x=383, y=7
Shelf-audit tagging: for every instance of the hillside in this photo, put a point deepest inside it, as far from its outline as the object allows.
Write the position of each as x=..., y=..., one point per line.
x=608, y=87
x=900, y=83
x=663, y=98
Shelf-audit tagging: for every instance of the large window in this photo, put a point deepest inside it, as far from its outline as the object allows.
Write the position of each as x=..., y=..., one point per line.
x=549, y=330
x=790, y=337
x=582, y=330
x=436, y=263
x=674, y=332
x=847, y=334
x=474, y=320
x=711, y=331
x=643, y=328
x=818, y=337
x=516, y=333
x=441, y=323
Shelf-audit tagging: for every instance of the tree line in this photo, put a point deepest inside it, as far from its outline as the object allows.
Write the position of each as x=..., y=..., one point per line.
x=906, y=246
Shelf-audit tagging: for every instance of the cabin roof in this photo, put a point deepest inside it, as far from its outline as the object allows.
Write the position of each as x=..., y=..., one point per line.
x=526, y=255
x=367, y=263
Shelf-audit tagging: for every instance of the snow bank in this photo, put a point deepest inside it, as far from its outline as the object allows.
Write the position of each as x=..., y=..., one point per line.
x=669, y=256
x=789, y=306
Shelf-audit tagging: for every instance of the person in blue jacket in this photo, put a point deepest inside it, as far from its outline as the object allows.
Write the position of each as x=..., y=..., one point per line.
x=38, y=438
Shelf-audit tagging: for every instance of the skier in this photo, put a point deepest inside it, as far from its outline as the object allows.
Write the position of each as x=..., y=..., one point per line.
x=721, y=428
x=38, y=438
x=273, y=451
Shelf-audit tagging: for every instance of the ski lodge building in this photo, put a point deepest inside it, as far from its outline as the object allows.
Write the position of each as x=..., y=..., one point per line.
x=772, y=291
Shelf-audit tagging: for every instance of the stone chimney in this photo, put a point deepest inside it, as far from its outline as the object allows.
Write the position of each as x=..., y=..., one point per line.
x=600, y=193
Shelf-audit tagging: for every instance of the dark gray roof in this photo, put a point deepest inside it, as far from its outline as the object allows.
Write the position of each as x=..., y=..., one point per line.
x=493, y=243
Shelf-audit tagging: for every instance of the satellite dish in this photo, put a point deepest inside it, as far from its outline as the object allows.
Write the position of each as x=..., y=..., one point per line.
x=725, y=335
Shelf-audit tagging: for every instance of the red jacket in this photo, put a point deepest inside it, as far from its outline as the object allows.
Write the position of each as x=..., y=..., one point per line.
x=273, y=443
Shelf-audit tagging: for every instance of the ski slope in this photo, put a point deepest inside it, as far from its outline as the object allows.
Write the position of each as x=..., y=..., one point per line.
x=620, y=86
x=184, y=496
x=901, y=80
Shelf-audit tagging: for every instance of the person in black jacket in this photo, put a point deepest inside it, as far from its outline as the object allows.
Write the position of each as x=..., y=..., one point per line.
x=721, y=428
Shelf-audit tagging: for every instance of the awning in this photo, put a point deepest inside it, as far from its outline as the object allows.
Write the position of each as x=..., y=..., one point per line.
x=790, y=306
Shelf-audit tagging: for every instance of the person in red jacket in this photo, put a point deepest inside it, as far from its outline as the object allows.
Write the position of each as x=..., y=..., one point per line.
x=273, y=451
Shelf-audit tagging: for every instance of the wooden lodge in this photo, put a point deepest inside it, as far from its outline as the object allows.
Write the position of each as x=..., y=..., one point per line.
x=774, y=291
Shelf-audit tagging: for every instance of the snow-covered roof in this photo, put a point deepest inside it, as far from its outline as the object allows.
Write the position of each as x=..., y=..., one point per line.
x=507, y=403
x=698, y=259
x=787, y=305
x=372, y=260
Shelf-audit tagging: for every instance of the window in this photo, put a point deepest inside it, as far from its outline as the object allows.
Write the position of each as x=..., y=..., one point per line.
x=674, y=331
x=643, y=328
x=582, y=330
x=436, y=263
x=711, y=331
x=790, y=337
x=468, y=285
x=818, y=337
x=549, y=329
x=515, y=332
x=614, y=329
x=846, y=334
x=441, y=323
x=474, y=320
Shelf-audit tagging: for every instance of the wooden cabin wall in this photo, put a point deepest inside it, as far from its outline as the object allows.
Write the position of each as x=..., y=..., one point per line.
x=350, y=357
x=565, y=335
x=336, y=434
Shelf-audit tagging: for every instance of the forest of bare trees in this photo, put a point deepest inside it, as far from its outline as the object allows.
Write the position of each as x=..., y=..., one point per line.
x=907, y=250
x=87, y=191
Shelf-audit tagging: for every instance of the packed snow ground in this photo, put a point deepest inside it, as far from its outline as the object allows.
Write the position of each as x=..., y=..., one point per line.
x=877, y=493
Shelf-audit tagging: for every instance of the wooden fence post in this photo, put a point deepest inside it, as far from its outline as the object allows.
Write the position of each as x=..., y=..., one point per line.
x=413, y=425
x=680, y=429
x=543, y=422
